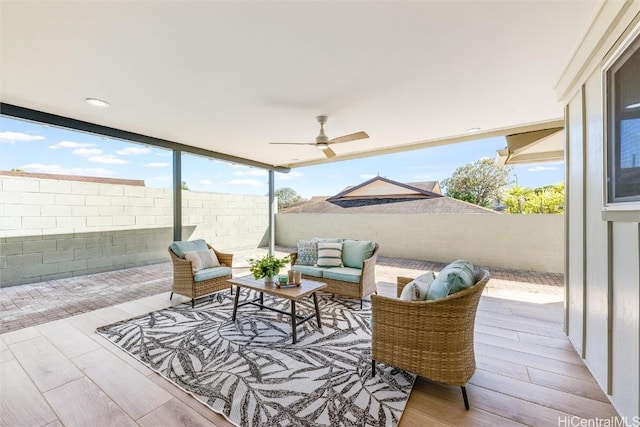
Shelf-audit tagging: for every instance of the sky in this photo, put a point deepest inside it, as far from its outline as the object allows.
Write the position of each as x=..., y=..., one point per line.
x=34, y=147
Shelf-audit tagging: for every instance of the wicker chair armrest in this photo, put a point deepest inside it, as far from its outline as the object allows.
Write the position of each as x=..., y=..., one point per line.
x=368, y=277
x=293, y=256
x=401, y=282
x=182, y=269
x=223, y=258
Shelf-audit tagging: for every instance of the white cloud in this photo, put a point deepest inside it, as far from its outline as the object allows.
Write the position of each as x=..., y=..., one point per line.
x=164, y=178
x=71, y=144
x=290, y=175
x=87, y=152
x=42, y=168
x=156, y=164
x=542, y=168
x=109, y=159
x=165, y=153
x=13, y=137
x=367, y=176
x=252, y=172
x=132, y=151
x=249, y=182
x=205, y=182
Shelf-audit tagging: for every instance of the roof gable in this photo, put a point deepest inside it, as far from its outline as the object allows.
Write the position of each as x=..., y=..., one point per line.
x=380, y=187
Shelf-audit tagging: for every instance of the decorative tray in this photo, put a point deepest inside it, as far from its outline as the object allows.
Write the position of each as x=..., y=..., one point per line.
x=287, y=285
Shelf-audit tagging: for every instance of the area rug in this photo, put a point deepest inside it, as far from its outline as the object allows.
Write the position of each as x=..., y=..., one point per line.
x=250, y=372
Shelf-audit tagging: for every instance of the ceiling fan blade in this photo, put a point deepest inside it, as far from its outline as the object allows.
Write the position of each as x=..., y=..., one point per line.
x=293, y=143
x=347, y=138
x=329, y=152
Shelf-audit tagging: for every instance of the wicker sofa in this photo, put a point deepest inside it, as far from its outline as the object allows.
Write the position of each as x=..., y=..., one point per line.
x=433, y=339
x=348, y=282
x=205, y=282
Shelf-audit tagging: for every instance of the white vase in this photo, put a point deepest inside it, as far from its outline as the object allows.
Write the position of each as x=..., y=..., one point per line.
x=268, y=280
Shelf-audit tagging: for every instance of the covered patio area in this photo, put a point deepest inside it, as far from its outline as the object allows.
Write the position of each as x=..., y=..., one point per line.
x=528, y=372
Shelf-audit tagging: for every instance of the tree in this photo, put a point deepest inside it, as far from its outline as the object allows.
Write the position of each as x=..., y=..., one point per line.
x=479, y=183
x=547, y=199
x=184, y=185
x=287, y=197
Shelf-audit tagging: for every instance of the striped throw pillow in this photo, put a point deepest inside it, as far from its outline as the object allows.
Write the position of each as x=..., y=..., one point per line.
x=202, y=259
x=329, y=254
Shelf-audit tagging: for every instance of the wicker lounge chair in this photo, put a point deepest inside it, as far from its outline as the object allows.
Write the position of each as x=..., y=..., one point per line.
x=433, y=339
x=185, y=284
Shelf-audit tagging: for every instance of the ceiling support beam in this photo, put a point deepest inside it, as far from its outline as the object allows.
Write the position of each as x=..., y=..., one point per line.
x=18, y=112
x=272, y=212
x=177, y=195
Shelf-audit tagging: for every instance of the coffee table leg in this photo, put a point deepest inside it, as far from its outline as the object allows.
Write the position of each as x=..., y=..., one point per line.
x=261, y=300
x=294, y=321
x=235, y=304
x=315, y=302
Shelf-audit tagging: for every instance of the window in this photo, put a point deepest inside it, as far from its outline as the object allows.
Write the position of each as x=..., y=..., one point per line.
x=623, y=126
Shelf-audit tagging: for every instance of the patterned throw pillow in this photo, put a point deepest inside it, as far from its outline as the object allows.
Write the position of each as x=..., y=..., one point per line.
x=307, y=252
x=202, y=259
x=329, y=254
x=417, y=289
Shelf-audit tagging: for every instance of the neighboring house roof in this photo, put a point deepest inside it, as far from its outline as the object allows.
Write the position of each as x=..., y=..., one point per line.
x=382, y=195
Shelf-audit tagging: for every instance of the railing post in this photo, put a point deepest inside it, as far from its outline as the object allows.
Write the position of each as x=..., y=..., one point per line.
x=272, y=211
x=177, y=195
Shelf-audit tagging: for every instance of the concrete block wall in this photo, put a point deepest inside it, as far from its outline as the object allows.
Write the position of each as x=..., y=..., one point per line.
x=51, y=228
x=522, y=242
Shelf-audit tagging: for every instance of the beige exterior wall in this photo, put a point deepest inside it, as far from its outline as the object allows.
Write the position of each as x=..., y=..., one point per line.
x=524, y=242
x=52, y=229
x=603, y=274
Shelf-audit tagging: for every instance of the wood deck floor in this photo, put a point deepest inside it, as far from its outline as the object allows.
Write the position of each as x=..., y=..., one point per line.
x=62, y=373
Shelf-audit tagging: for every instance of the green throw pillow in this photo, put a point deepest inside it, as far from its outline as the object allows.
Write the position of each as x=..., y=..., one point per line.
x=354, y=252
x=453, y=278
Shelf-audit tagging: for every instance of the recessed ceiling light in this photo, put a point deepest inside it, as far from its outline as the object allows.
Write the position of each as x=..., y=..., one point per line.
x=472, y=130
x=294, y=160
x=97, y=102
x=632, y=106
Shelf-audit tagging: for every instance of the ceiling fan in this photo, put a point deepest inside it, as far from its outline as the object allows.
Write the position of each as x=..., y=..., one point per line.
x=323, y=141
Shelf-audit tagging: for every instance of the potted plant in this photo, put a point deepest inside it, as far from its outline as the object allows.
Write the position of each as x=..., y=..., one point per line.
x=267, y=267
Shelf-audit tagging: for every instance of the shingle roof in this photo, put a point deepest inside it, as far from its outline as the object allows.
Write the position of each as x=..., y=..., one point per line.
x=439, y=205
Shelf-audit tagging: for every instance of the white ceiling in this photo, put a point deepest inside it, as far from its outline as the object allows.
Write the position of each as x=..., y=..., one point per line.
x=232, y=76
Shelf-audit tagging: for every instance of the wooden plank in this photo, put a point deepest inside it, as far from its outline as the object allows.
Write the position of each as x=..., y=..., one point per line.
x=588, y=389
x=215, y=418
x=560, y=343
x=555, y=332
x=513, y=320
x=19, y=335
x=174, y=413
x=130, y=389
x=47, y=367
x=510, y=369
x=550, y=398
x=500, y=332
x=569, y=356
x=81, y=403
x=445, y=405
x=540, y=362
x=5, y=353
x=66, y=338
x=21, y=404
x=123, y=355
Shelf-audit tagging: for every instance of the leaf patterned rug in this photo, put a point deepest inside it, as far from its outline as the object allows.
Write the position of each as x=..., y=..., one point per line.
x=250, y=372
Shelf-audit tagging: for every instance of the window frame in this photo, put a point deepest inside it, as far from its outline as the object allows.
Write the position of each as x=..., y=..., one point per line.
x=629, y=206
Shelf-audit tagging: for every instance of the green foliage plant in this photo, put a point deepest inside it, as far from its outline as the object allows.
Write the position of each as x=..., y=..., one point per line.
x=479, y=183
x=267, y=266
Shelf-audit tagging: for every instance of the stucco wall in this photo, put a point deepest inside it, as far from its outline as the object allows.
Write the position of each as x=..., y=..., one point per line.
x=53, y=228
x=524, y=242
x=603, y=250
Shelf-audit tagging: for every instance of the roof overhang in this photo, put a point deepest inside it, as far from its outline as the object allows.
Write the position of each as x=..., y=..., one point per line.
x=540, y=146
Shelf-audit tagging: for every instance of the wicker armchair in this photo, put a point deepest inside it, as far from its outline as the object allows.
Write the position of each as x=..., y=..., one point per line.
x=433, y=339
x=184, y=283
